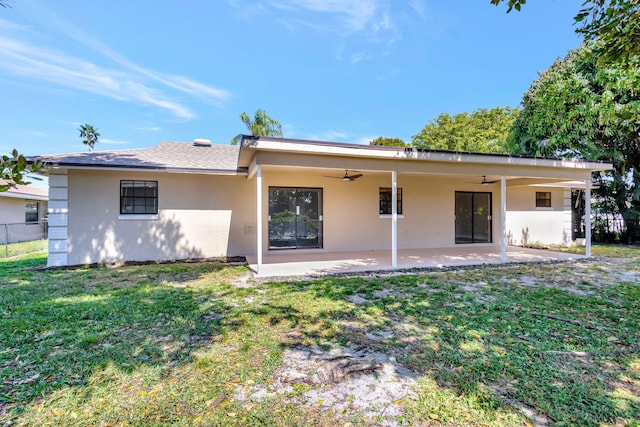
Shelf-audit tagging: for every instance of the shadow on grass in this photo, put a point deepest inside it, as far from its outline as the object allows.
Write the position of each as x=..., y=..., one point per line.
x=58, y=327
x=555, y=356
x=488, y=338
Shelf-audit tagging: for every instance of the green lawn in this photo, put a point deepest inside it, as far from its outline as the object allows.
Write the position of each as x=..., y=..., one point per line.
x=182, y=344
x=21, y=248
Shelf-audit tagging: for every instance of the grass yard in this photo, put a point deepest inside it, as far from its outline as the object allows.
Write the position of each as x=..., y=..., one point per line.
x=21, y=248
x=200, y=344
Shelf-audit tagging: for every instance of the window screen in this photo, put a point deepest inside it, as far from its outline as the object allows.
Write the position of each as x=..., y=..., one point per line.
x=30, y=211
x=386, y=202
x=138, y=197
x=543, y=199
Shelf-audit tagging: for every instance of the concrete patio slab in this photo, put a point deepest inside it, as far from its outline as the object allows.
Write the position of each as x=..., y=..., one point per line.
x=302, y=263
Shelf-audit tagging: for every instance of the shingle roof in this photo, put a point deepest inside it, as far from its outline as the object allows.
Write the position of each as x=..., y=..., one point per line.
x=26, y=191
x=178, y=156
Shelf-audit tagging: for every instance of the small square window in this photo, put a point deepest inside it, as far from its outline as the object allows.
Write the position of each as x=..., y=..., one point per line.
x=138, y=197
x=31, y=211
x=543, y=199
x=386, y=201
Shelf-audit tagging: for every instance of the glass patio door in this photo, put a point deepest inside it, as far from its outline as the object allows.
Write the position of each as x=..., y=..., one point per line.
x=473, y=217
x=295, y=218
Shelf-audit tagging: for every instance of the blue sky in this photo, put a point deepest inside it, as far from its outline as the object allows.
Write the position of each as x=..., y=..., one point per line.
x=147, y=71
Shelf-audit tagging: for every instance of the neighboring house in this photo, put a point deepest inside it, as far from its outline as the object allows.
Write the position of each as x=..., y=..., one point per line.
x=280, y=197
x=23, y=212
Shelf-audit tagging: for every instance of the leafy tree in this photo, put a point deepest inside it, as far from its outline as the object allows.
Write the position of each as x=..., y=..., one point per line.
x=261, y=125
x=616, y=23
x=582, y=108
x=89, y=135
x=13, y=170
x=482, y=131
x=388, y=142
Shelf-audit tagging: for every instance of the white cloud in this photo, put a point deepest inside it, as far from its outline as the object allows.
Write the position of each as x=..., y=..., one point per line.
x=148, y=128
x=330, y=135
x=288, y=130
x=112, y=141
x=355, y=14
x=124, y=81
x=37, y=134
x=364, y=140
x=379, y=21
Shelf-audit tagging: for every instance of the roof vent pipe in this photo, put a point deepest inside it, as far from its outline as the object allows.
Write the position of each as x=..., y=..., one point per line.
x=200, y=142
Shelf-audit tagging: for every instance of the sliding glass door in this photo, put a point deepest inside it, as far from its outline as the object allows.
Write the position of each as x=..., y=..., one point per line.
x=295, y=218
x=473, y=217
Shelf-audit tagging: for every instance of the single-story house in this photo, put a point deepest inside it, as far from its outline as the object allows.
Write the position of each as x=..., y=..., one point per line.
x=23, y=212
x=272, y=199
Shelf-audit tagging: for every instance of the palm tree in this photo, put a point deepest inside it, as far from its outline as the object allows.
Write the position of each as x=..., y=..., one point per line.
x=261, y=125
x=89, y=135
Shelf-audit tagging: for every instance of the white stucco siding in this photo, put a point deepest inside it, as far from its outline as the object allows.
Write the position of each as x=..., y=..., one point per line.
x=351, y=209
x=194, y=218
x=12, y=220
x=527, y=224
x=11, y=210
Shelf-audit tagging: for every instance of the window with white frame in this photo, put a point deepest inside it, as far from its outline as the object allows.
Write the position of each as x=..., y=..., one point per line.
x=31, y=211
x=138, y=197
x=386, y=195
x=543, y=199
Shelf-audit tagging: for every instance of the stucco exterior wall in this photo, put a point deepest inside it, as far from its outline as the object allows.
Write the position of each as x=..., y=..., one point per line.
x=11, y=210
x=528, y=225
x=194, y=218
x=351, y=209
x=12, y=220
x=203, y=216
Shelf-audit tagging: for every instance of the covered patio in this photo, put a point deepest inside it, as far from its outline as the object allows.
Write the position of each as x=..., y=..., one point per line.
x=327, y=208
x=328, y=263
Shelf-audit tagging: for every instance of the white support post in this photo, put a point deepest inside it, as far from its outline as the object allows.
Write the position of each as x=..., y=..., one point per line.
x=503, y=219
x=259, y=218
x=394, y=219
x=587, y=216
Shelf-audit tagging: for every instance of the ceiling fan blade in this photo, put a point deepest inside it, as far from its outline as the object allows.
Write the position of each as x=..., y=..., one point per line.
x=346, y=176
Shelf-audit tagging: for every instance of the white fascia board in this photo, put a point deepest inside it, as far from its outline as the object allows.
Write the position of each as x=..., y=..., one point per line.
x=152, y=170
x=401, y=154
x=567, y=184
x=23, y=196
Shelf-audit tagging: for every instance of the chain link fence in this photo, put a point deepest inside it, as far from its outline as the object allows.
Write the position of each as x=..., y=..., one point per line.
x=23, y=237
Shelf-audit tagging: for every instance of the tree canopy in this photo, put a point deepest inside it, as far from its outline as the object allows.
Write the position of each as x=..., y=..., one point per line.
x=14, y=168
x=89, y=135
x=261, y=125
x=482, y=131
x=581, y=107
x=615, y=23
x=388, y=142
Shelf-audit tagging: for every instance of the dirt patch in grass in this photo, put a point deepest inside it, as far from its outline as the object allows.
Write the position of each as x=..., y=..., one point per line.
x=341, y=380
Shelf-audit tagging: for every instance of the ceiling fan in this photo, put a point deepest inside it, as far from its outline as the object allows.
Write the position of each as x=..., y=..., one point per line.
x=346, y=176
x=484, y=181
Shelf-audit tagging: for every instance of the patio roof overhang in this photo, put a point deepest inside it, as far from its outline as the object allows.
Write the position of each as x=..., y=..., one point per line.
x=257, y=153
x=312, y=154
